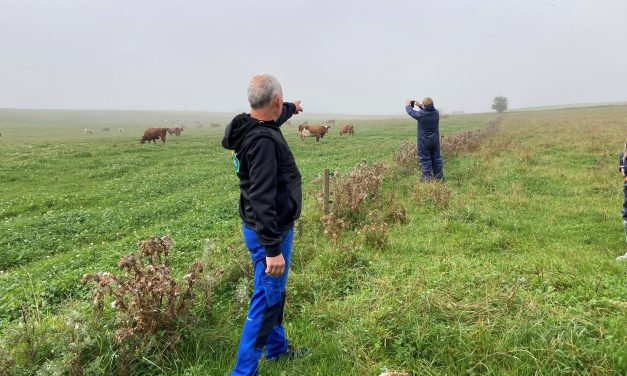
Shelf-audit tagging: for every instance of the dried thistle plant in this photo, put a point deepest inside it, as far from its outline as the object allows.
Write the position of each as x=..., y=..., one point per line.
x=406, y=157
x=348, y=193
x=377, y=233
x=333, y=226
x=469, y=140
x=147, y=295
x=396, y=213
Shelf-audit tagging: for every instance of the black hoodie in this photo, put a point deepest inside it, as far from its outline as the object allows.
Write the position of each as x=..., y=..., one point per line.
x=270, y=183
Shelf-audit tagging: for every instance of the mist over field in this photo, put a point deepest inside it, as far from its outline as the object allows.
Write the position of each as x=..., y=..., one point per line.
x=343, y=57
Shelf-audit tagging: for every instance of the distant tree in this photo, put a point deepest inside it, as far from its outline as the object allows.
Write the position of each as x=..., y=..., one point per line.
x=500, y=104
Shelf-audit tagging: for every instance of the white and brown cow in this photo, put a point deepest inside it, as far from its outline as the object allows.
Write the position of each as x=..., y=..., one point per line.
x=317, y=131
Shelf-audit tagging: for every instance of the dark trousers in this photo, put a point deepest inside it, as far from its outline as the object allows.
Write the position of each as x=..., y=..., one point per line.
x=430, y=160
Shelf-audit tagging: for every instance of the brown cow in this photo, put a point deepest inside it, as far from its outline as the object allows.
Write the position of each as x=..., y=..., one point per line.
x=176, y=130
x=317, y=131
x=152, y=134
x=347, y=128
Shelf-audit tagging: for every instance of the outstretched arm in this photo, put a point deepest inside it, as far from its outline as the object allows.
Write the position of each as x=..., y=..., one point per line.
x=288, y=110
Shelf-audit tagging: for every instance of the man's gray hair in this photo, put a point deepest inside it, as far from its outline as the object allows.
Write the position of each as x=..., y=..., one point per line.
x=262, y=88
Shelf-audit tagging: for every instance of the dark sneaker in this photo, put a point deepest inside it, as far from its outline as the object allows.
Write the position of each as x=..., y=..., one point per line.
x=291, y=353
x=296, y=352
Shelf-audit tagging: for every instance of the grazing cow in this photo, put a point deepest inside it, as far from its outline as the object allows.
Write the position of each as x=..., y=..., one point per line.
x=176, y=130
x=215, y=125
x=88, y=131
x=347, y=128
x=332, y=122
x=121, y=130
x=302, y=126
x=106, y=129
x=317, y=131
x=152, y=134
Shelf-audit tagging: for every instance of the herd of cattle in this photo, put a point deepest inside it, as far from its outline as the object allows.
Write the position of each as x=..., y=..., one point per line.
x=304, y=130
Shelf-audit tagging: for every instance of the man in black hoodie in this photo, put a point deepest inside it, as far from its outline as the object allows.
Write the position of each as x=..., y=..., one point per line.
x=270, y=202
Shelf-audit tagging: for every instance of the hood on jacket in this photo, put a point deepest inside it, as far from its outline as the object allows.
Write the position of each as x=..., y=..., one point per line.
x=236, y=130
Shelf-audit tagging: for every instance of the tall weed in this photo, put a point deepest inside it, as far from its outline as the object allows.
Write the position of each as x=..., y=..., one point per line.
x=469, y=140
x=349, y=192
x=147, y=297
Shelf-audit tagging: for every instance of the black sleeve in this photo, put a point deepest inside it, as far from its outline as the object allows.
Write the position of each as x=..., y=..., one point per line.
x=286, y=112
x=262, y=158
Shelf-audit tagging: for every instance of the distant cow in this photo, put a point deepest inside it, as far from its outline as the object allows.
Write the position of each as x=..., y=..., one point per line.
x=88, y=131
x=176, y=130
x=317, y=131
x=215, y=125
x=347, y=128
x=152, y=134
x=332, y=122
x=121, y=130
x=106, y=129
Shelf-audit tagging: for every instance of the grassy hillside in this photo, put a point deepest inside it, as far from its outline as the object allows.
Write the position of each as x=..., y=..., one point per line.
x=508, y=268
x=570, y=106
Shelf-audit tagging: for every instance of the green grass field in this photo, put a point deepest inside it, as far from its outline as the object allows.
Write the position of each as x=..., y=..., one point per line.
x=513, y=275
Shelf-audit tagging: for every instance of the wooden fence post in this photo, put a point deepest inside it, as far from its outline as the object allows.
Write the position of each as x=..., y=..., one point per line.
x=325, y=191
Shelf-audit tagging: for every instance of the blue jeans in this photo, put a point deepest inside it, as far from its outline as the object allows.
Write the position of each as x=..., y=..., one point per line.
x=263, y=326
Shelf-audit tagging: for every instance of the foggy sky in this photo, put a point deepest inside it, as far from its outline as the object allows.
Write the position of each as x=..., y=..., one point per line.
x=349, y=57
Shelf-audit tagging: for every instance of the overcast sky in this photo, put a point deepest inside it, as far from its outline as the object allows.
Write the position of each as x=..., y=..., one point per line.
x=351, y=57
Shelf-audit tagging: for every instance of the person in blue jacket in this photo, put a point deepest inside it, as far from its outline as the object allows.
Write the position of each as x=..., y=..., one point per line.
x=270, y=201
x=622, y=167
x=429, y=156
